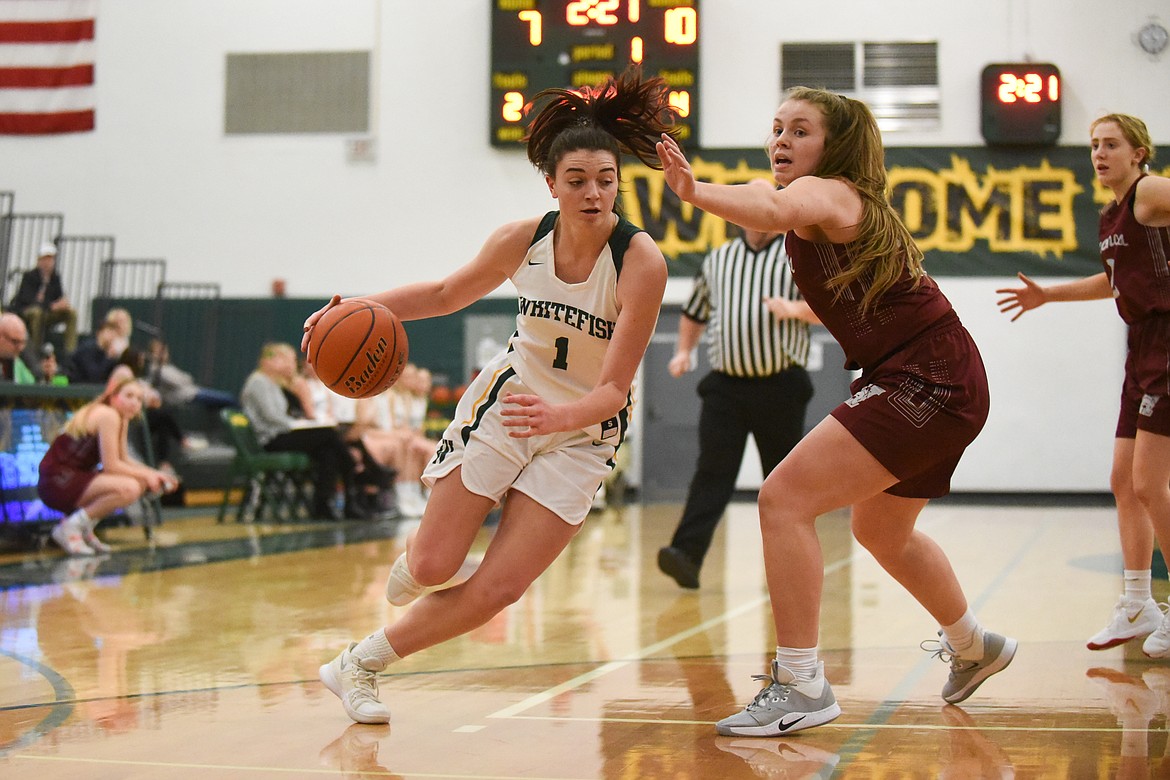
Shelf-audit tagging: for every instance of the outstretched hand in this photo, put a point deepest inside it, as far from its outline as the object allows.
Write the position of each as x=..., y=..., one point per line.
x=1023, y=298
x=675, y=168
x=312, y=320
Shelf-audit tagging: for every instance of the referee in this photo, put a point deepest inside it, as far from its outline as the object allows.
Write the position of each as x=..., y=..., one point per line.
x=758, y=328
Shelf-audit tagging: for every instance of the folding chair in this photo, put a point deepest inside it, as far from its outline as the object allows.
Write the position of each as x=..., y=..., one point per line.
x=272, y=480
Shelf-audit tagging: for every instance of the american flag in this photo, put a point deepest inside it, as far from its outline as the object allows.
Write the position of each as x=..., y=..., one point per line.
x=46, y=66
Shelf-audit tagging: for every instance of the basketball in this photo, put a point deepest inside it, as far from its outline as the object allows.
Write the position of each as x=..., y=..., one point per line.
x=358, y=348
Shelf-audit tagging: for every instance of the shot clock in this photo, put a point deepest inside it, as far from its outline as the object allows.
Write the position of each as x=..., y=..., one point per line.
x=1020, y=104
x=538, y=44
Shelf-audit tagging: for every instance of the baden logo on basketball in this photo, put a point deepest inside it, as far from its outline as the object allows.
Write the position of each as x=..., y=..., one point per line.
x=355, y=384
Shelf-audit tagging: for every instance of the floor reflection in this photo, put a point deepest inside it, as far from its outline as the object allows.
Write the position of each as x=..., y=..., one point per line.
x=1136, y=700
x=355, y=752
x=786, y=759
x=604, y=669
x=170, y=550
x=969, y=752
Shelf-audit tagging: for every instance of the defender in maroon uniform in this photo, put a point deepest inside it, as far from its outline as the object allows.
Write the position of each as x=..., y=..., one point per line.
x=1135, y=250
x=922, y=394
x=921, y=399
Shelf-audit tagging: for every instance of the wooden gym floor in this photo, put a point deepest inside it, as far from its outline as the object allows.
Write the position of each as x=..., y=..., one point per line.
x=196, y=657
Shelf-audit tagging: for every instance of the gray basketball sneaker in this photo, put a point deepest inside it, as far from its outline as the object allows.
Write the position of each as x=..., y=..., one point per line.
x=967, y=675
x=784, y=706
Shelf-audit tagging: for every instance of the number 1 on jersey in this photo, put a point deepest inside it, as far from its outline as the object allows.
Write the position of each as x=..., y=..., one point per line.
x=561, y=361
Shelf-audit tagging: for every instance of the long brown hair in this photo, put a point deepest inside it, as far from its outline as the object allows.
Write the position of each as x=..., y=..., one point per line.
x=853, y=151
x=626, y=114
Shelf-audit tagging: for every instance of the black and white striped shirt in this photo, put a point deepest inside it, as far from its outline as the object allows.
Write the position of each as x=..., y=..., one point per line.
x=744, y=338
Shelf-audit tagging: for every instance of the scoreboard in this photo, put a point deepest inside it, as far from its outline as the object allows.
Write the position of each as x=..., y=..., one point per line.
x=538, y=44
x=1019, y=103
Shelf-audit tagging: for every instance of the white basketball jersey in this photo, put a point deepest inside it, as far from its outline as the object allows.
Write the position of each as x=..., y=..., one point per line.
x=563, y=330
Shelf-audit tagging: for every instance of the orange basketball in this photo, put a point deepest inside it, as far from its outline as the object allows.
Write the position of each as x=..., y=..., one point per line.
x=358, y=348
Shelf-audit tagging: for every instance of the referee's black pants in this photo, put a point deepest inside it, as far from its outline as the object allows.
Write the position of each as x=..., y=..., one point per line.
x=770, y=408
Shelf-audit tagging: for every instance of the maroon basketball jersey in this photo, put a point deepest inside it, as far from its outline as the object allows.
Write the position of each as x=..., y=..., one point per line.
x=903, y=312
x=1136, y=259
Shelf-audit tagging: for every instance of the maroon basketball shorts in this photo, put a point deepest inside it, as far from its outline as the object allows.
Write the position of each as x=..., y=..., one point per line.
x=62, y=488
x=918, y=410
x=1145, y=394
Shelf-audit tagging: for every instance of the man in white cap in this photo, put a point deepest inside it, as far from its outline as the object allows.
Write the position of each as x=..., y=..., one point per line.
x=41, y=302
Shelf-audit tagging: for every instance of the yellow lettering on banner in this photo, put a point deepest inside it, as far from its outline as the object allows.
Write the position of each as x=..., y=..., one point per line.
x=1029, y=208
x=1025, y=209
x=711, y=231
x=516, y=5
x=1103, y=195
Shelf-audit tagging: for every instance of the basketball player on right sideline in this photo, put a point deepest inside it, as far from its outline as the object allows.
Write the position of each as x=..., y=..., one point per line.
x=1134, y=233
x=540, y=425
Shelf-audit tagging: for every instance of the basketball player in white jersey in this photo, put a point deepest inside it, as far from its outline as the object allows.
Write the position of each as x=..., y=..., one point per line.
x=538, y=428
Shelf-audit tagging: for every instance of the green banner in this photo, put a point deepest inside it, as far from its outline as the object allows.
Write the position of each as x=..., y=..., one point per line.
x=974, y=211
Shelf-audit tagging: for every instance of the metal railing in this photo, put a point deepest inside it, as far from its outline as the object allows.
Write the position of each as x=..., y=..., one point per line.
x=131, y=278
x=79, y=261
x=7, y=203
x=121, y=278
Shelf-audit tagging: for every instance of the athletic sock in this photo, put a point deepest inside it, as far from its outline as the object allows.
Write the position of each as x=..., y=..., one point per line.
x=376, y=648
x=801, y=661
x=965, y=637
x=82, y=518
x=1137, y=584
